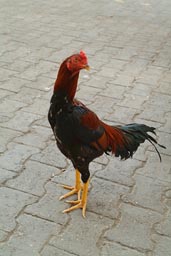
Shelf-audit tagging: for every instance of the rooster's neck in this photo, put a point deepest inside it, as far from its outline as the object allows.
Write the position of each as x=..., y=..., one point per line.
x=66, y=83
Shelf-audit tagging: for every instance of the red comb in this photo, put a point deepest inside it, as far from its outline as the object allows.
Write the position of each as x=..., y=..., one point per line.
x=83, y=55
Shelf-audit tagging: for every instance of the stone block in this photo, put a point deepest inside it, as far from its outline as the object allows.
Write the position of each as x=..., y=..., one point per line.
x=51, y=156
x=109, y=249
x=72, y=239
x=14, y=158
x=8, y=135
x=163, y=245
x=53, y=251
x=104, y=197
x=134, y=228
x=36, y=137
x=49, y=207
x=27, y=180
x=5, y=175
x=120, y=172
x=158, y=171
x=113, y=91
x=163, y=228
x=21, y=121
x=147, y=193
x=28, y=239
x=12, y=202
x=13, y=84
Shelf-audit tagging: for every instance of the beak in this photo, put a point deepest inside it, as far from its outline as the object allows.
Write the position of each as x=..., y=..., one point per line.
x=87, y=67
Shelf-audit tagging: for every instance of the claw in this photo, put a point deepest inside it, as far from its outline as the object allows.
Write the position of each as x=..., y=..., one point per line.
x=74, y=190
x=77, y=206
x=79, y=203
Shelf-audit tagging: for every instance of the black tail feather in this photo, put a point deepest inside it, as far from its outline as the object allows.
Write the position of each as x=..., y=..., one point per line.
x=134, y=135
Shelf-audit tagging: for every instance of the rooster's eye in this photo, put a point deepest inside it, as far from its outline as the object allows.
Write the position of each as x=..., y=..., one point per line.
x=76, y=60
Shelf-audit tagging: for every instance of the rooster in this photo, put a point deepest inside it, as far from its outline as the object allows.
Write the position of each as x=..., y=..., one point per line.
x=81, y=136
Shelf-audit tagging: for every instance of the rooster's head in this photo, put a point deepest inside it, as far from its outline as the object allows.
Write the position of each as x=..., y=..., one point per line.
x=77, y=62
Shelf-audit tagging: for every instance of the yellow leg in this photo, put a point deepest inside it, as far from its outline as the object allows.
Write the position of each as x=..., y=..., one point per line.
x=74, y=190
x=82, y=203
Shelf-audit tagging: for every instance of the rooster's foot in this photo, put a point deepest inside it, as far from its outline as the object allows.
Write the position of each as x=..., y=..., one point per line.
x=80, y=203
x=74, y=190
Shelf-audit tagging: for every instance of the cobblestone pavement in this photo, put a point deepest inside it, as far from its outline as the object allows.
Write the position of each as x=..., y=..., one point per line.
x=129, y=48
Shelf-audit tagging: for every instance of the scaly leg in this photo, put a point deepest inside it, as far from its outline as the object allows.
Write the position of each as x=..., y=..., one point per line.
x=82, y=203
x=74, y=190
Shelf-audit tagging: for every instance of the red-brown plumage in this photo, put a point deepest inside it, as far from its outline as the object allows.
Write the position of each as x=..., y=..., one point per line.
x=66, y=82
x=90, y=120
x=111, y=138
x=115, y=137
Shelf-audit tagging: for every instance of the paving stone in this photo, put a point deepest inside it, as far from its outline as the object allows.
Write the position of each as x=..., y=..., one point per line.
x=8, y=135
x=53, y=251
x=10, y=106
x=116, y=63
x=109, y=248
x=15, y=156
x=26, y=95
x=151, y=112
x=160, y=101
x=13, y=84
x=167, y=126
x=100, y=101
x=104, y=197
x=42, y=83
x=140, y=89
x=27, y=181
x=124, y=80
x=135, y=67
x=158, y=171
x=3, y=235
x=39, y=107
x=51, y=156
x=147, y=193
x=21, y=121
x=36, y=137
x=75, y=234
x=23, y=241
x=12, y=202
x=113, y=91
x=163, y=227
x=18, y=65
x=97, y=81
x=122, y=114
x=43, y=121
x=108, y=72
x=5, y=93
x=31, y=74
x=135, y=223
x=163, y=245
x=87, y=93
x=126, y=53
x=133, y=101
x=49, y=207
x=5, y=74
x=120, y=171
x=165, y=139
x=5, y=175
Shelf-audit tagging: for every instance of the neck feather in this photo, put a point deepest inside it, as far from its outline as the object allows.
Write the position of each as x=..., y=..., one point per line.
x=66, y=82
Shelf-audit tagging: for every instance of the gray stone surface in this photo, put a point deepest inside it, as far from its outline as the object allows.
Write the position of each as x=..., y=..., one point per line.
x=128, y=44
x=12, y=202
x=110, y=248
x=73, y=239
x=133, y=229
